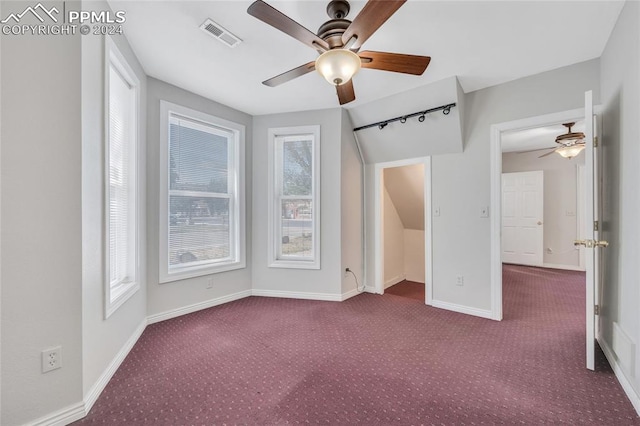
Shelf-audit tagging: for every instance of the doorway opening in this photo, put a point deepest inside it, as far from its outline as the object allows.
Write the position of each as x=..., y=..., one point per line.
x=403, y=231
x=500, y=133
x=541, y=199
x=589, y=232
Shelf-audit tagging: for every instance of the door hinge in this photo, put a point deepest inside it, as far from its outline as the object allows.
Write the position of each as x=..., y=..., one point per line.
x=596, y=225
x=595, y=141
x=596, y=309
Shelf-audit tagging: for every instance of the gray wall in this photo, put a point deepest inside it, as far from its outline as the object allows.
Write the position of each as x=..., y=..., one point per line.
x=163, y=298
x=41, y=262
x=103, y=339
x=560, y=198
x=327, y=281
x=461, y=182
x=351, y=192
x=620, y=151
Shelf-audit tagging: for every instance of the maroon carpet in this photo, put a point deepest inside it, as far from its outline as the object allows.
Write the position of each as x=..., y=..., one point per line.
x=372, y=360
x=410, y=289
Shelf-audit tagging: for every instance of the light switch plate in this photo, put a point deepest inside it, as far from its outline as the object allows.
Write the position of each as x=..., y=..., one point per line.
x=484, y=211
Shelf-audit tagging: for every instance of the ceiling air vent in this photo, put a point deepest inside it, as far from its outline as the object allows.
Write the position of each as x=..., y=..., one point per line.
x=222, y=35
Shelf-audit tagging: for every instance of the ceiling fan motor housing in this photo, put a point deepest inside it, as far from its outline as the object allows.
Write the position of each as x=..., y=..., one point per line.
x=338, y=9
x=332, y=30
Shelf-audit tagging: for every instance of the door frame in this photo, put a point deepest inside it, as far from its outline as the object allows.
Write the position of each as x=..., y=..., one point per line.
x=379, y=225
x=496, y=189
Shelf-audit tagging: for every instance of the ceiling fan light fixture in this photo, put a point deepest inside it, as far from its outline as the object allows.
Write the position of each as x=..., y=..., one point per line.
x=570, y=151
x=337, y=66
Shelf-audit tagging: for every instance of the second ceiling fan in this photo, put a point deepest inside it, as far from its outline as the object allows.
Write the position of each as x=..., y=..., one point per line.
x=338, y=42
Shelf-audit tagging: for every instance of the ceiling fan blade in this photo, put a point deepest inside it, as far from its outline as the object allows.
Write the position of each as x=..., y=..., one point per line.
x=290, y=75
x=346, y=93
x=282, y=22
x=532, y=150
x=395, y=62
x=548, y=153
x=371, y=17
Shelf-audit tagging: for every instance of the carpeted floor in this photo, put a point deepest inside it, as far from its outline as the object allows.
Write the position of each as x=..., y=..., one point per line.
x=371, y=360
x=410, y=289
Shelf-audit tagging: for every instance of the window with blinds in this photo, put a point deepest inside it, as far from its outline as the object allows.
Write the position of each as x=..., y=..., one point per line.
x=201, y=193
x=295, y=198
x=121, y=172
x=201, y=215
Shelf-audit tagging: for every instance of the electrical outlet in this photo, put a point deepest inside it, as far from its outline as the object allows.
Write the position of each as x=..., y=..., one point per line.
x=460, y=280
x=210, y=283
x=346, y=271
x=51, y=359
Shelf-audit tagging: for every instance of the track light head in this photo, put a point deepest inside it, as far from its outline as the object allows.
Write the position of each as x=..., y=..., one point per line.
x=403, y=120
x=421, y=118
x=382, y=125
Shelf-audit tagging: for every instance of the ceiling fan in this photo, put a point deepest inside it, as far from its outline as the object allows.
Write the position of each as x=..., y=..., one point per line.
x=338, y=42
x=572, y=143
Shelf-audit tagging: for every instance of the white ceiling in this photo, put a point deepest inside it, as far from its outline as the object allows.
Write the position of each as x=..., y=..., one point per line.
x=484, y=43
x=537, y=138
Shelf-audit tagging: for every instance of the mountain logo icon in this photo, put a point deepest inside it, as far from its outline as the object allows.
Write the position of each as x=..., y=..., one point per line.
x=38, y=11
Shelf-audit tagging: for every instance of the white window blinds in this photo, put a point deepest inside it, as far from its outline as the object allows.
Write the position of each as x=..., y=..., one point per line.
x=121, y=177
x=202, y=194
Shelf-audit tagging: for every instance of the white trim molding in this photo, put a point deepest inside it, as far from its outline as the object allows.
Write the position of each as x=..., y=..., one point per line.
x=327, y=297
x=393, y=281
x=482, y=313
x=235, y=135
x=173, y=313
x=378, y=249
x=62, y=417
x=117, y=293
x=92, y=396
x=563, y=267
x=628, y=388
x=277, y=137
x=496, y=190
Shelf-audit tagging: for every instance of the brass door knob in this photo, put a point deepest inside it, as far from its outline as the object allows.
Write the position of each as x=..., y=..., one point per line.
x=591, y=243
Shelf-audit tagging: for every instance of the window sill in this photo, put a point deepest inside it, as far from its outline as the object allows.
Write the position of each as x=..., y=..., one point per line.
x=194, y=272
x=295, y=264
x=119, y=295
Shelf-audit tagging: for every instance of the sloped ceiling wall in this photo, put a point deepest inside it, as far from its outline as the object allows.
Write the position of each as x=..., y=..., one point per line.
x=437, y=134
x=405, y=186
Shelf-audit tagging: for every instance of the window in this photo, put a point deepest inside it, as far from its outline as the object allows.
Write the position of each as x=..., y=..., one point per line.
x=294, y=197
x=121, y=154
x=202, y=194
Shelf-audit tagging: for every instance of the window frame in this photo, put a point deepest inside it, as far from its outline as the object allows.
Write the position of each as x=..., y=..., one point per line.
x=115, y=295
x=277, y=137
x=237, y=213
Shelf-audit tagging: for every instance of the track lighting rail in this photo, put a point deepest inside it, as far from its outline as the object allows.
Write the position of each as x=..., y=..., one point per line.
x=446, y=109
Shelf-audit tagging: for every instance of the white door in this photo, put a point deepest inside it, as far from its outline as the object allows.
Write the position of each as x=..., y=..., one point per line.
x=522, y=214
x=590, y=235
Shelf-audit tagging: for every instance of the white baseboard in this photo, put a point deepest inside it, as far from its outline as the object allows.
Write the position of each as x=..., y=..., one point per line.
x=370, y=289
x=152, y=319
x=92, y=396
x=62, y=417
x=349, y=294
x=565, y=267
x=297, y=295
x=633, y=396
x=393, y=281
x=462, y=309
